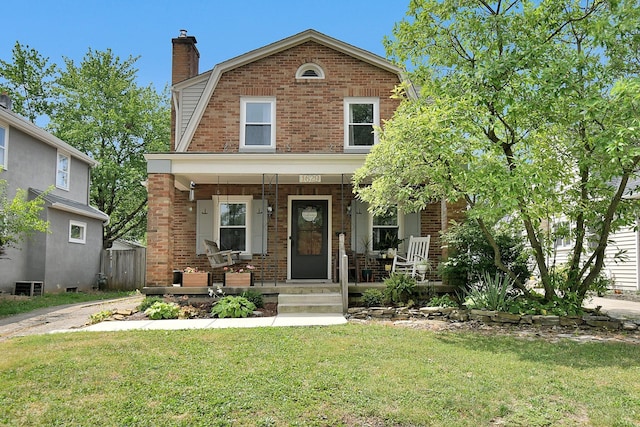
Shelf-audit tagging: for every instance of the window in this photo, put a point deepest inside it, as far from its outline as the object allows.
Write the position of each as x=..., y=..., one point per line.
x=77, y=232
x=562, y=231
x=386, y=231
x=309, y=71
x=62, y=173
x=258, y=123
x=233, y=223
x=3, y=147
x=360, y=117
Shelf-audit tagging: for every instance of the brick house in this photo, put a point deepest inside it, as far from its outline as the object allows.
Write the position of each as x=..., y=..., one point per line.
x=264, y=147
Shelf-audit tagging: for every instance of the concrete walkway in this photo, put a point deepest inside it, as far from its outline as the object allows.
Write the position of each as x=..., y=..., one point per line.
x=620, y=309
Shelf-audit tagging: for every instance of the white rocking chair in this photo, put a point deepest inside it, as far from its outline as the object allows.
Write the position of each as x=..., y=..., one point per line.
x=417, y=250
x=218, y=258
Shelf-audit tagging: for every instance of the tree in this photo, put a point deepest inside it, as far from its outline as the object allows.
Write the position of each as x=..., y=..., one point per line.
x=19, y=218
x=101, y=111
x=528, y=111
x=29, y=81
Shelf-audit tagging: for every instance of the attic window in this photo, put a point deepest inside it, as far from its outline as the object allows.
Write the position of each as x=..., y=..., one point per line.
x=310, y=71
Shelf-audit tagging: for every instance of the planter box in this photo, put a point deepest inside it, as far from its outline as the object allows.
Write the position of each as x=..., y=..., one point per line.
x=195, y=279
x=238, y=279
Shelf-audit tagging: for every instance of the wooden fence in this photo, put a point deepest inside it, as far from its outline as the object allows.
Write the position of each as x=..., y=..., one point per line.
x=125, y=270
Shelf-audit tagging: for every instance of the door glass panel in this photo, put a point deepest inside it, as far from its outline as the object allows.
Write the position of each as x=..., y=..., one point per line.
x=310, y=223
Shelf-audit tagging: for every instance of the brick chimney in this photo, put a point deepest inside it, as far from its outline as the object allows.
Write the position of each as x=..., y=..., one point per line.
x=185, y=57
x=184, y=65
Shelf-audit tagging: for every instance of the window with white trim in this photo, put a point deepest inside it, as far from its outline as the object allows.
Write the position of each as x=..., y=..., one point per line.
x=258, y=123
x=233, y=223
x=386, y=230
x=563, y=238
x=360, y=117
x=4, y=137
x=62, y=171
x=310, y=71
x=77, y=232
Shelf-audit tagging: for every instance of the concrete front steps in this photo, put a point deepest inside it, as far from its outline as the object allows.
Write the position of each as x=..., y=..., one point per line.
x=320, y=302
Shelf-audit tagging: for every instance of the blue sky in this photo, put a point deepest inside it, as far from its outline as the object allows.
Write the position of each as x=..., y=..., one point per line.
x=223, y=28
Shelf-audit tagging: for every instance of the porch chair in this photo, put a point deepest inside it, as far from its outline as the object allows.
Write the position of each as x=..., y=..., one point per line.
x=417, y=250
x=218, y=258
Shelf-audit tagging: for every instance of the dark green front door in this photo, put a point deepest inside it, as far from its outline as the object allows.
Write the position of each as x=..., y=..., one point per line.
x=309, y=239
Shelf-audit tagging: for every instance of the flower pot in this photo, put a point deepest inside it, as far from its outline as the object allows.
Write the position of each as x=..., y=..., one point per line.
x=238, y=279
x=200, y=279
x=421, y=268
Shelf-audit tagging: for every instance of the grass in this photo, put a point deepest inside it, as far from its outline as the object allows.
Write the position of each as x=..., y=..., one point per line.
x=347, y=375
x=10, y=305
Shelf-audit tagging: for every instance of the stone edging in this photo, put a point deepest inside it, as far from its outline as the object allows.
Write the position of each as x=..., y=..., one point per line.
x=590, y=319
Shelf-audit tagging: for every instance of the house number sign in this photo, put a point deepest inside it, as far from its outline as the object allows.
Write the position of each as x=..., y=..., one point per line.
x=310, y=179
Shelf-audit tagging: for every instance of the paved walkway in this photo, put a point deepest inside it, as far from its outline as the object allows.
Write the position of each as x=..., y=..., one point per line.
x=75, y=318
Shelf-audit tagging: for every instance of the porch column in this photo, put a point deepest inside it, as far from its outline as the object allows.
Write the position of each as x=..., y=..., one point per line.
x=159, y=230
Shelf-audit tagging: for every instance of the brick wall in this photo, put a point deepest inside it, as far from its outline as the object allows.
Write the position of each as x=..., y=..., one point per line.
x=309, y=113
x=160, y=229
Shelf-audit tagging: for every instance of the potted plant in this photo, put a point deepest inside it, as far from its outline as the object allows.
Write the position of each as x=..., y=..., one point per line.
x=239, y=276
x=191, y=277
x=391, y=242
x=367, y=272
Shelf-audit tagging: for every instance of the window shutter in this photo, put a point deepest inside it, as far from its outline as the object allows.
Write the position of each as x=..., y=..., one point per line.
x=259, y=224
x=204, y=224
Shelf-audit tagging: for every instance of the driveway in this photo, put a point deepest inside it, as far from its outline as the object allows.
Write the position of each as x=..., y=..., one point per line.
x=51, y=319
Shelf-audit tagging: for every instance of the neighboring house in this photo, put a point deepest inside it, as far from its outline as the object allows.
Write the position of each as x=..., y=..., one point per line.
x=264, y=148
x=622, y=256
x=69, y=256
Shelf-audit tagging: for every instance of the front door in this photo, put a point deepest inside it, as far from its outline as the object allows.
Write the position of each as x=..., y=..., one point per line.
x=309, y=239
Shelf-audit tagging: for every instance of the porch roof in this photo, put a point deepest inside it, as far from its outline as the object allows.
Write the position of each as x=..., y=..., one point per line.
x=246, y=168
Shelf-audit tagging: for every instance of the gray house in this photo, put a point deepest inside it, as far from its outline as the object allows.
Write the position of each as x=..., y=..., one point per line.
x=67, y=258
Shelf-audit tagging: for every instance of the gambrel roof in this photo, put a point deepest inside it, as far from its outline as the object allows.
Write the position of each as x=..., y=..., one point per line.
x=192, y=96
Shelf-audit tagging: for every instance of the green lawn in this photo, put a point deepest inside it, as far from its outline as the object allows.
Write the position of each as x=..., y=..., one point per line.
x=11, y=305
x=347, y=375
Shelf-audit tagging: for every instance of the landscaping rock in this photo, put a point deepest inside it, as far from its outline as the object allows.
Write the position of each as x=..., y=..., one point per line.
x=546, y=320
x=502, y=317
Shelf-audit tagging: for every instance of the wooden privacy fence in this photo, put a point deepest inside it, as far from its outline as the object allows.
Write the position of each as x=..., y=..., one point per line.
x=124, y=269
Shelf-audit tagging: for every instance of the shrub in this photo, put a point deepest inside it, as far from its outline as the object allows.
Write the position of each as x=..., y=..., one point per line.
x=148, y=302
x=372, y=298
x=399, y=288
x=491, y=293
x=442, y=301
x=163, y=310
x=233, y=306
x=100, y=316
x=255, y=297
x=471, y=255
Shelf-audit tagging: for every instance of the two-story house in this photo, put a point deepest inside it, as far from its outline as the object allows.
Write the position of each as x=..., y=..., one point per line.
x=68, y=257
x=264, y=148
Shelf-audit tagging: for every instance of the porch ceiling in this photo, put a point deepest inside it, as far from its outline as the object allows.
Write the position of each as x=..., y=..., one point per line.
x=241, y=168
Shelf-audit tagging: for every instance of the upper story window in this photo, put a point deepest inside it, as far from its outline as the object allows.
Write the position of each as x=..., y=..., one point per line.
x=4, y=136
x=258, y=123
x=310, y=71
x=360, y=117
x=62, y=171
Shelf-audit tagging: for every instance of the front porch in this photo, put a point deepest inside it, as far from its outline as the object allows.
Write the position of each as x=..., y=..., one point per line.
x=271, y=292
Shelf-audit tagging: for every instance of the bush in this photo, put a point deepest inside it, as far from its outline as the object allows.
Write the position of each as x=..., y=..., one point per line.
x=255, y=297
x=372, y=298
x=148, y=302
x=163, y=310
x=492, y=293
x=233, y=306
x=400, y=288
x=442, y=301
x=471, y=255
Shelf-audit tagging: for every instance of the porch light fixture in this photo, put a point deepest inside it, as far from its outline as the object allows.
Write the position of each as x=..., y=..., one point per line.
x=349, y=209
x=269, y=211
x=192, y=191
